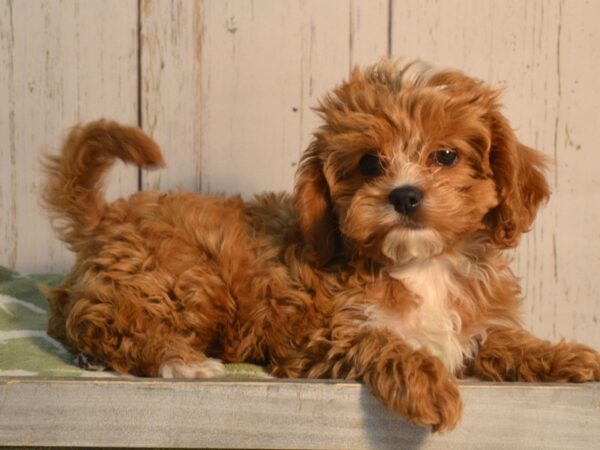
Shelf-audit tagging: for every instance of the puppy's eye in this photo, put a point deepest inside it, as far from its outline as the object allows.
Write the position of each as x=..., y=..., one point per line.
x=370, y=165
x=445, y=157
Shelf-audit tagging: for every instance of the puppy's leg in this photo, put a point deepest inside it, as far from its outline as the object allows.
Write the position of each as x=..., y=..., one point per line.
x=410, y=382
x=151, y=353
x=126, y=337
x=207, y=368
x=516, y=355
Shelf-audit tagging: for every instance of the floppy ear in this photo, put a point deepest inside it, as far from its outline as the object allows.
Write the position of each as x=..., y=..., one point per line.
x=522, y=186
x=312, y=200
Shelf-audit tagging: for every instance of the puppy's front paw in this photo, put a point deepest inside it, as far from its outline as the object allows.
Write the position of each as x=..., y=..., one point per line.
x=419, y=388
x=575, y=363
x=431, y=394
x=515, y=355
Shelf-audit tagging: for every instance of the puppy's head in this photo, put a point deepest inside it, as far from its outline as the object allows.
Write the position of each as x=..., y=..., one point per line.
x=411, y=162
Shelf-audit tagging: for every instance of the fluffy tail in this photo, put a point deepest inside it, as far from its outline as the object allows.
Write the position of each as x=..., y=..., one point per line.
x=73, y=193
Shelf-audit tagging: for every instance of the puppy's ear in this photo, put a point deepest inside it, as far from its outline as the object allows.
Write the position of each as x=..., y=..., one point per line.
x=312, y=200
x=522, y=186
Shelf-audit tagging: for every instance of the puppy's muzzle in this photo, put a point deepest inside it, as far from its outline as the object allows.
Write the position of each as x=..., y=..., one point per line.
x=406, y=199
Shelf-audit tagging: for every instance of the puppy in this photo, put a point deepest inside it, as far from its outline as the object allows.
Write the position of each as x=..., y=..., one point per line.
x=385, y=265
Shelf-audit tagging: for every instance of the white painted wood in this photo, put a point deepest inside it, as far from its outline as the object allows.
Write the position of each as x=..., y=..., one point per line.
x=261, y=66
x=546, y=54
x=251, y=85
x=284, y=414
x=359, y=37
x=171, y=63
x=62, y=62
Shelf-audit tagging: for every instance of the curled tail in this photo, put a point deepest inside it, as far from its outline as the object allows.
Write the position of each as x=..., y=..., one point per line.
x=73, y=193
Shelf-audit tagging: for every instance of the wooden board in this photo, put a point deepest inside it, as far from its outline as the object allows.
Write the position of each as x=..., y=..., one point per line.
x=171, y=63
x=228, y=86
x=61, y=62
x=284, y=414
x=546, y=55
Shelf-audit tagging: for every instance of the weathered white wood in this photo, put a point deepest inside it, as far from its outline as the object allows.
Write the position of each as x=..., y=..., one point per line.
x=251, y=86
x=62, y=62
x=171, y=62
x=284, y=414
x=329, y=52
x=237, y=80
x=546, y=54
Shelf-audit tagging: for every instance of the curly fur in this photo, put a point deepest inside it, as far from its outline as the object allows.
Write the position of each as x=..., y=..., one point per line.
x=328, y=282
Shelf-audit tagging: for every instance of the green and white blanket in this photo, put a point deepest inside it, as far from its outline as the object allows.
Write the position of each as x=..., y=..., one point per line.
x=26, y=349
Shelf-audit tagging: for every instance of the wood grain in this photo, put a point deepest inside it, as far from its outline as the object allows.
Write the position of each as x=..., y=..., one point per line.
x=171, y=63
x=237, y=80
x=546, y=55
x=63, y=62
x=284, y=414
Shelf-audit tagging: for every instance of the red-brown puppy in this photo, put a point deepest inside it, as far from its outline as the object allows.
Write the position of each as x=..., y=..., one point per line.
x=385, y=265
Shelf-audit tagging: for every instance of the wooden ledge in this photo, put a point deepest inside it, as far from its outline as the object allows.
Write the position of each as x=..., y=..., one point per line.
x=278, y=413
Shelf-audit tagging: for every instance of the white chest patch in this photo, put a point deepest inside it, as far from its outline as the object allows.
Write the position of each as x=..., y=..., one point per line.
x=434, y=324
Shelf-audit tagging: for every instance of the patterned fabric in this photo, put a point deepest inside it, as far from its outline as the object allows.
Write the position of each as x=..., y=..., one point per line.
x=26, y=349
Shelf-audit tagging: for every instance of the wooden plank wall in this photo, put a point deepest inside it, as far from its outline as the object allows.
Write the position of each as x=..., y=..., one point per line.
x=226, y=87
x=61, y=62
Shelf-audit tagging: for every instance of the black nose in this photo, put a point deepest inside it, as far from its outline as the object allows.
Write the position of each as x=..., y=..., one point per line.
x=406, y=199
